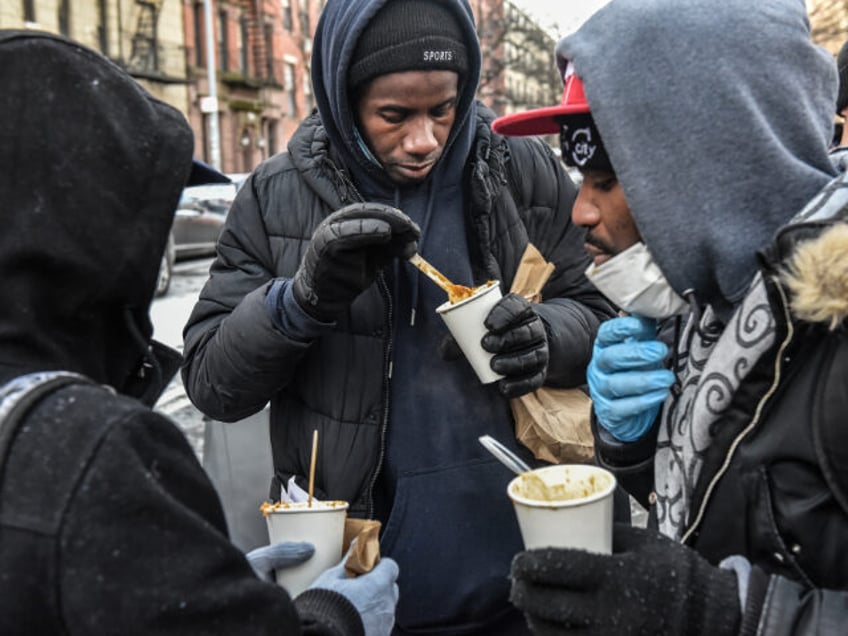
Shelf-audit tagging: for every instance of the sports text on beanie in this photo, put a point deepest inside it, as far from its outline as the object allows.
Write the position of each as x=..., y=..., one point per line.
x=580, y=143
x=409, y=35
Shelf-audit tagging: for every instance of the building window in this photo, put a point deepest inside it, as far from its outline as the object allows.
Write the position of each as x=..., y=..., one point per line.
x=29, y=10
x=272, y=137
x=269, y=52
x=307, y=94
x=204, y=137
x=304, y=18
x=223, y=42
x=64, y=17
x=289, y=86
x=103, y=26
x=198, y=34
x=244, y=35
x=287, y=15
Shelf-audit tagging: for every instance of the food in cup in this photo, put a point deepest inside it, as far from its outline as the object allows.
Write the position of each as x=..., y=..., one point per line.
x=532, y=486
x=459, y=293
x=568, y=509
x=269, y=508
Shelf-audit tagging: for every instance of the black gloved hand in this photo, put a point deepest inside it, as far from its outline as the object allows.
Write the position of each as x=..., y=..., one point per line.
x=347, y=250
x=517, y=338
x=650, y=585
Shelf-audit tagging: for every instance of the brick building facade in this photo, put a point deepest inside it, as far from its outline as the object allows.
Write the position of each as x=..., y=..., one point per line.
x=262, y=52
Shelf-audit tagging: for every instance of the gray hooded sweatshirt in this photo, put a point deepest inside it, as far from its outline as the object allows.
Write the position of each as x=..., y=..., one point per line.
x=711, y=154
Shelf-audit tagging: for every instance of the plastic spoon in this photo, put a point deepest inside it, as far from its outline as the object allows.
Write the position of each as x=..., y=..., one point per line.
x=431, y=272
x=504, y=455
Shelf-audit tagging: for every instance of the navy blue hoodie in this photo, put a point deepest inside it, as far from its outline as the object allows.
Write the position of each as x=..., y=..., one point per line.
x=447, y=520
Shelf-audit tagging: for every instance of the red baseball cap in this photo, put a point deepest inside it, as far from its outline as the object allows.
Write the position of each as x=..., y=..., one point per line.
x=546, y=121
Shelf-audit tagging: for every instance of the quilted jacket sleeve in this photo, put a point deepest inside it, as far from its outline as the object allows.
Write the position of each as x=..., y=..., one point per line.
x=235, y=359
x=572, y=307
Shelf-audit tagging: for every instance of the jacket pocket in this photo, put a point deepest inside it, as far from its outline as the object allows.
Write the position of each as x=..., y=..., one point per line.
x=803, y=525
x=453, y=532
x=772, y=550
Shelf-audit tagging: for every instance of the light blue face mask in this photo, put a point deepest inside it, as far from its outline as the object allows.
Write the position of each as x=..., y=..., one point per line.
x=364, y=148
x=634, y=282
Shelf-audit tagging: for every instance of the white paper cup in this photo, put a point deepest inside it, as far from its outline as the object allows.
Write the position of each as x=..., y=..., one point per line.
x=322, y=525
x=580, y=516
x=465, y=322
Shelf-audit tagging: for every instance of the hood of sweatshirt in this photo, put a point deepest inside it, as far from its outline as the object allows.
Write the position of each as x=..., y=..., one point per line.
x=338, y=31
x=717, y=118
x=93, y=167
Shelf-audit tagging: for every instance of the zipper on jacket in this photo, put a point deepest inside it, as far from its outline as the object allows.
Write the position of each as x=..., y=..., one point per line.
x=387, y=364
x=778, y=367
x=348, y=193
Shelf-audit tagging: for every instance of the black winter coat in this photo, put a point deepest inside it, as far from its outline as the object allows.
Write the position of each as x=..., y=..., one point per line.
x=98, y=498
x=108, y=523
x=236, y=360
x=774, y=482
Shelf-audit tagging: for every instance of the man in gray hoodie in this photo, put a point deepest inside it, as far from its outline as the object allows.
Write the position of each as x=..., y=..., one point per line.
x=708, y=193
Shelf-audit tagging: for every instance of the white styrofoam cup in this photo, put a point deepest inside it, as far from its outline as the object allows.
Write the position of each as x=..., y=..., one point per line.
x=321, y=524
x=583, y=520
x=464, y=320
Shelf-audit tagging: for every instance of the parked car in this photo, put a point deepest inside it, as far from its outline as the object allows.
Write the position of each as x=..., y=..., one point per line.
x=200, y=218
x=197, y=225
x=166, y=269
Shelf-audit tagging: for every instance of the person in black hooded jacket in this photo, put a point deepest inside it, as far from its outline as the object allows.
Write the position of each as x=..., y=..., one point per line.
x=108, y=523
x=739, y=449
x=310, y=304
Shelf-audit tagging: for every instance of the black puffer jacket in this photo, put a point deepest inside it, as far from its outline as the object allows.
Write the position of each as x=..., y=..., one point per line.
x=236, y=360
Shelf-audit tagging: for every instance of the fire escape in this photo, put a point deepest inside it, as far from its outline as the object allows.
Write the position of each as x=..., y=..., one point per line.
x=144, y=58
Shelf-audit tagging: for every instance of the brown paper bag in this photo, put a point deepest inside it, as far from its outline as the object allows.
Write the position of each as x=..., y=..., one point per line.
x=366, y=552
x=553, y=423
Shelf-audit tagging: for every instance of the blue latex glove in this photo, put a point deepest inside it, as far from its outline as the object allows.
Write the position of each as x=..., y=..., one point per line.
x=278, y=556
x=627, y=381
x=374, y=594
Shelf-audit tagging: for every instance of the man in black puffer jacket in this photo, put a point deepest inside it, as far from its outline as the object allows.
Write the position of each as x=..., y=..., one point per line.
x=310, y=304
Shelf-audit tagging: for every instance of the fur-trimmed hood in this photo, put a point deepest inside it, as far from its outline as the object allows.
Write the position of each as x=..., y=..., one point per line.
x=711, y=155
x=817, y=277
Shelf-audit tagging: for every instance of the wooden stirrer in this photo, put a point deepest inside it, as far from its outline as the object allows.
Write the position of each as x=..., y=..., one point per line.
x=312, y=465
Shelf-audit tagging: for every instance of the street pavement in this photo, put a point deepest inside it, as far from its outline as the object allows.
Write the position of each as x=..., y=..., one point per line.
x=169, y=315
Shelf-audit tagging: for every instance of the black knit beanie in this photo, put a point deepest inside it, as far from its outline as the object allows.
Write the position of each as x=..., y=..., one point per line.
x=409, y=35
x=842, y=67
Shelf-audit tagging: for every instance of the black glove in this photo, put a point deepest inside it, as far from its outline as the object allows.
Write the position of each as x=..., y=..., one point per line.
x=517, y=338
x=650, y=585
x=347, y=250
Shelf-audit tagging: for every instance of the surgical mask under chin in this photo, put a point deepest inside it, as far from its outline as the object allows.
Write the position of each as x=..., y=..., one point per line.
x=632, y=280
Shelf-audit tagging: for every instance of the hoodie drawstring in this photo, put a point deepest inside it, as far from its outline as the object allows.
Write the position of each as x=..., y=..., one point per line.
x=425, y=224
